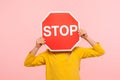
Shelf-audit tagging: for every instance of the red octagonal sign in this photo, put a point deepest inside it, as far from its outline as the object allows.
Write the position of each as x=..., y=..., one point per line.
x=60, y=31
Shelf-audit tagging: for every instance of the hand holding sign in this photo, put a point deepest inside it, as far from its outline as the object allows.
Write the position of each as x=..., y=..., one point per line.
x=83, y=33
x=40, y=41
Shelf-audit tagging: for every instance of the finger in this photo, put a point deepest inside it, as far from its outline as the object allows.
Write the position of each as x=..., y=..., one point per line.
x=83, y=35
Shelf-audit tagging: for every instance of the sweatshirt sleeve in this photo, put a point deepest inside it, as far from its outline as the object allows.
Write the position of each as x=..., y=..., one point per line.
x=32, y=60
x=95, y=51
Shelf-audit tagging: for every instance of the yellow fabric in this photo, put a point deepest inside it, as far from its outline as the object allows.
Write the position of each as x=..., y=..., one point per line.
x=64, y=65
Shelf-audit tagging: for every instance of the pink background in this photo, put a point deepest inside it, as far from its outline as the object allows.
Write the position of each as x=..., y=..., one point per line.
x=20, y=27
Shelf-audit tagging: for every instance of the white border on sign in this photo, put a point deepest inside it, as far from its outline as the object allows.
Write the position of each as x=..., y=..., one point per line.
x=63, y=50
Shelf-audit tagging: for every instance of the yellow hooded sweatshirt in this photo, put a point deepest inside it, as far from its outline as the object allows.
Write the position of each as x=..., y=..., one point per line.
x=63, y=65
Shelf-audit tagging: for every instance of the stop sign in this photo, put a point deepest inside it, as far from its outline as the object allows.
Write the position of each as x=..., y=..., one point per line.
x=60, y=31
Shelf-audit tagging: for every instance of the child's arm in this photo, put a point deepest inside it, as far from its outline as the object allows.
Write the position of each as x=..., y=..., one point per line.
x=85, y=36
x=96, y=49
x=31, y=59
x=39, y=42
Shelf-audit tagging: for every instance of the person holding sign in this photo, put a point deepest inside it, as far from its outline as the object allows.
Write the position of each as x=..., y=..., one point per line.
x=63, y=65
